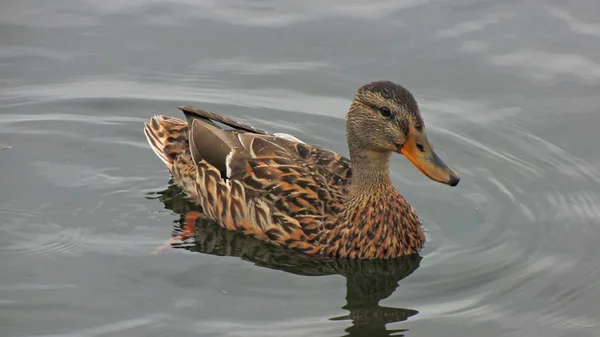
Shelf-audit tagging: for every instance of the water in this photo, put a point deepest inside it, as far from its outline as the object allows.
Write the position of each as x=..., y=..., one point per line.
x=509, y=94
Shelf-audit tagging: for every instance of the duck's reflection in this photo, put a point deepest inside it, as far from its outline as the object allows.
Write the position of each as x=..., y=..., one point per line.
x=367, y=282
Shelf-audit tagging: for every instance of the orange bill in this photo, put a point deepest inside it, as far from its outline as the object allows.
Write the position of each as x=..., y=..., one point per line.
x=419, y=152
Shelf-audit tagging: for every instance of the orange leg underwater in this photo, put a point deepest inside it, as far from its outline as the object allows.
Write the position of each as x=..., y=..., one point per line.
x=188, y=231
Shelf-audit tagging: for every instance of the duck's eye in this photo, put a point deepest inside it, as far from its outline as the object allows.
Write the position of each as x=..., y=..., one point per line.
x=385, y=111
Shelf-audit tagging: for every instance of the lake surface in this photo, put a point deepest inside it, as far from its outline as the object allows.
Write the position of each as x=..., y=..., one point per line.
x=509, y=94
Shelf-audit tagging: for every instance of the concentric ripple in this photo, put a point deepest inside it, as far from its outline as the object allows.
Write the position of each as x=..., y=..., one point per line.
x=26, y=234
x=515, y=253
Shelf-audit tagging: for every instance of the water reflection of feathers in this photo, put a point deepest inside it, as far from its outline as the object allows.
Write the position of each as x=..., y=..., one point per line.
x=367, y=281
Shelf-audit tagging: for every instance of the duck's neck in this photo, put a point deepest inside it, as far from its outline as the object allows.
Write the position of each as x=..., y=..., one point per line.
x=375, y=221
x=370, y=171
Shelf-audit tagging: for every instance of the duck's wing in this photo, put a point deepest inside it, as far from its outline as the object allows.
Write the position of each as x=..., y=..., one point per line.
x=268, y=186
x=310, y=154
x=296, y=178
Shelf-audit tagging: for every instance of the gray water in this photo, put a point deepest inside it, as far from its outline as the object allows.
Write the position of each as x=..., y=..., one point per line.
x=509, y=94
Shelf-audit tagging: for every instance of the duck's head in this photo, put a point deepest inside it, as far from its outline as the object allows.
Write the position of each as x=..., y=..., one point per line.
x=385, y=118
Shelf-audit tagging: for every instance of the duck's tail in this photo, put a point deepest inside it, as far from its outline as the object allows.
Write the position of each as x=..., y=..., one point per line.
x=168, y=138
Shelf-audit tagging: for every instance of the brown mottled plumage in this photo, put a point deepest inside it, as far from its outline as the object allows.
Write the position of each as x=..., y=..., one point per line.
x=278, y=189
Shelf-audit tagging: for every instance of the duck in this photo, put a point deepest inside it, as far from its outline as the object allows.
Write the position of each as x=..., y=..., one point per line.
x=306, y=198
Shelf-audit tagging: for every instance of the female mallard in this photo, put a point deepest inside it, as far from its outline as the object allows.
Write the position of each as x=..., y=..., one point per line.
x=278, y=189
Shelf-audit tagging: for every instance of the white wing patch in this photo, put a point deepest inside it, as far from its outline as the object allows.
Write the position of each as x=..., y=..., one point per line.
x=228, y=164
x=288, y=137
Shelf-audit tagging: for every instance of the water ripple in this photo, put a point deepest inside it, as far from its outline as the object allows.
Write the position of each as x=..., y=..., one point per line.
x=576, y=25
x=583, y=205
x=511, y=249
x=541, y=65
x=116, y=327
x=262, y=14
x=25, y=233
x=280, y=99
x=246, y=66
x=75, y=175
